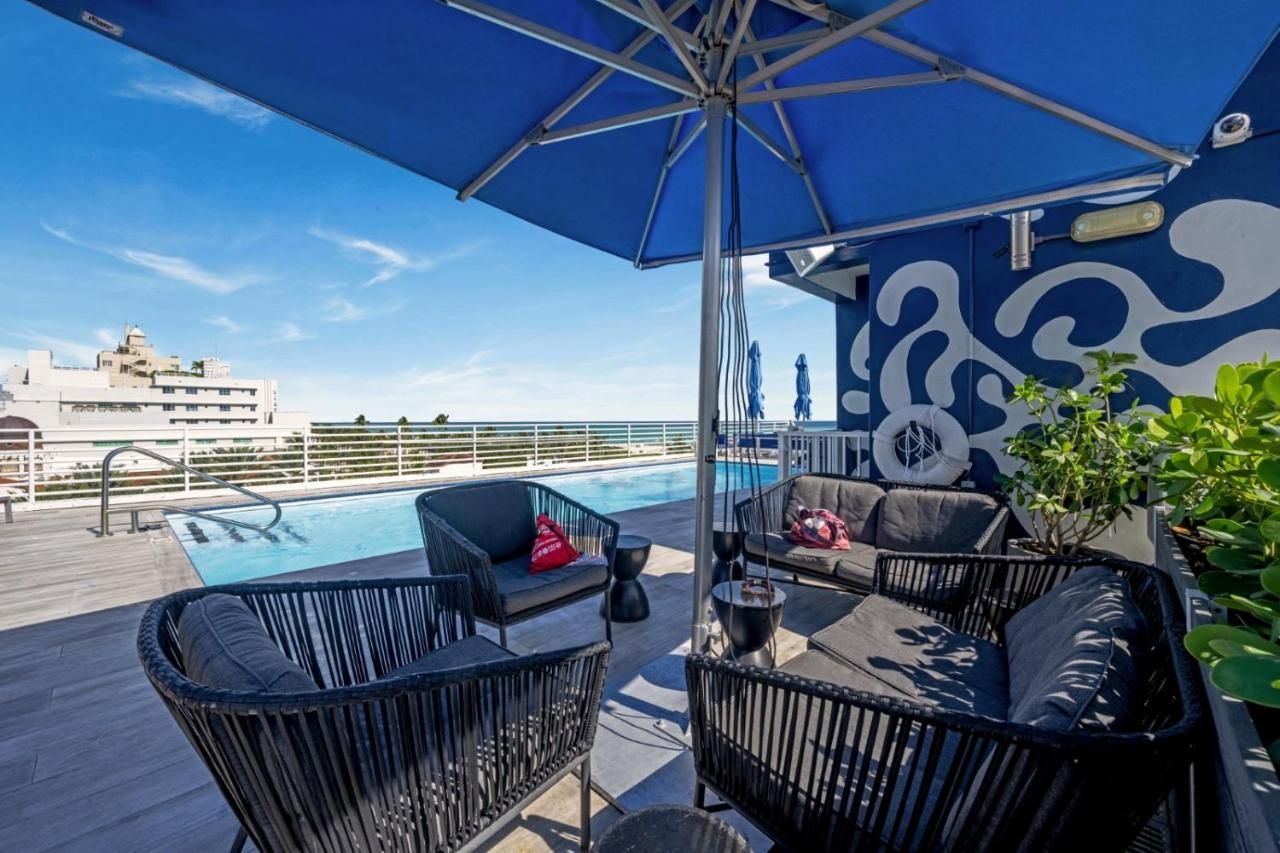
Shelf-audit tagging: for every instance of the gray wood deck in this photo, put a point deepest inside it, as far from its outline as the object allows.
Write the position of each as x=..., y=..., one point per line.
x=90, y=759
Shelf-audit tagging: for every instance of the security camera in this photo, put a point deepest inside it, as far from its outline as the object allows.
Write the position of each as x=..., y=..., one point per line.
x=1232, y=130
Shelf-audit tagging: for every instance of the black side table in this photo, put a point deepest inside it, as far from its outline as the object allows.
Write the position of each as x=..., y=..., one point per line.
x=671, y=829
x=749, y=621
x=627, y=599
x=726, y=544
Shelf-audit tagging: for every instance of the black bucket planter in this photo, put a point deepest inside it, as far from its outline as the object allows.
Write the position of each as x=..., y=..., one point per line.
x=1238, y=794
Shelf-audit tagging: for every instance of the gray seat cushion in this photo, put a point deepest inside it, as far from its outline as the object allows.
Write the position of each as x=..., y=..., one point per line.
x=856, y=502
x=782, y=551
x=496, y=517
x=465, y=652
x=519, y=590
x=857, y=566
x=930, y=521
x=224, y=645
x=914, y=656
x=1072, y=655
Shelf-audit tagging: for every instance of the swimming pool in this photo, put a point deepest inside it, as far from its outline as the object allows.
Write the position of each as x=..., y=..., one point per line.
x=322, y=531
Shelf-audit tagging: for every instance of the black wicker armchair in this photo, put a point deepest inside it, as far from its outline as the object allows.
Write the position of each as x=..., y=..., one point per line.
x=405, y=742
x=486, y=531
x=882, y=516
x=820, y=766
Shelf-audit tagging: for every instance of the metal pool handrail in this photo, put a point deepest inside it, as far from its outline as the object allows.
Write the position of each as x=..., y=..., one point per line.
x=104, y=528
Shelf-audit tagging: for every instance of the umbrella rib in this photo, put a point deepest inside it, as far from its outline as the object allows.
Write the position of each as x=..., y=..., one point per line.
x=735, y=43
x=677, y=46
x=844, y=87
x=792, y=141
x=758, y=133
x=618, y=122
x=657, y=190
x=491, y=171
x=577, y=46
x=635, y=13
x=844, y=34
x=1000, y=86
x=688, y=141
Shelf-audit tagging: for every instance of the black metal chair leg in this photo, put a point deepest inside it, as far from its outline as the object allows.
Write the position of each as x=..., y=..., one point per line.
x=699, y=796
x=608, y=618
x=502, y=636
x=585, y=785
x=241, y=838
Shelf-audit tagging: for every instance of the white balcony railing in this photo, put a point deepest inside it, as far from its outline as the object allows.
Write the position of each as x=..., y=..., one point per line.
x=822, y=452
x=63, y=466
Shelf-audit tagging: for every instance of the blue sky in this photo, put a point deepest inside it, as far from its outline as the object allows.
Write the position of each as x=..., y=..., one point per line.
x=132, y=192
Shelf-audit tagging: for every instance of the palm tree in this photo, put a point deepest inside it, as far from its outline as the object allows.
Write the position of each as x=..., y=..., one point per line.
x=441, y=419
x=197, y=367
x=403, y=421
x=361, y=420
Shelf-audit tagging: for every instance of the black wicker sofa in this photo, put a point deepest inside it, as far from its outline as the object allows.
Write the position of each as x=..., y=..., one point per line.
x=1048, y=706
x=882, y=516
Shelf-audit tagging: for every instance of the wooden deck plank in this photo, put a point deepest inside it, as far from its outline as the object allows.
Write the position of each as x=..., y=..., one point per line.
x=91, y=760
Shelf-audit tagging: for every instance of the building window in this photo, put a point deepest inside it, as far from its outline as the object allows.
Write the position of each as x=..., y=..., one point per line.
x=193, y=408
x=168, y=389
x=106, y=362
x=224, y=422
x=168, y=407
x=224, y=408
x=241, y=440
x=253, y=392
x=112, y=443
x=224, y=392
x=167, y=442
x=205, y=440
x=190, y=390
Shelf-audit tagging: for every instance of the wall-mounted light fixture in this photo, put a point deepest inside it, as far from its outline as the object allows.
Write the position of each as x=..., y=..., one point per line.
x=1123, y=221
x=807, y=260
x=1021, y=240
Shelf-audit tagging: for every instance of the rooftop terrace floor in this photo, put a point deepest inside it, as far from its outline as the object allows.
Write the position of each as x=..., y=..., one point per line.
x=91, y=760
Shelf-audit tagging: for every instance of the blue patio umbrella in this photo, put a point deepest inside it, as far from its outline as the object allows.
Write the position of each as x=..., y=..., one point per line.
x=755, y=379
x=604, y=120
x=803, y=406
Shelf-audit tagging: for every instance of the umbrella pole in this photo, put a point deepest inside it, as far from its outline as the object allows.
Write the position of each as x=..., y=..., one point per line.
x=708, y=364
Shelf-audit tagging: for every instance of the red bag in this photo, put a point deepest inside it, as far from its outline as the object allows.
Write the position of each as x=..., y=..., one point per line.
x=819, y=528
x=551, y=548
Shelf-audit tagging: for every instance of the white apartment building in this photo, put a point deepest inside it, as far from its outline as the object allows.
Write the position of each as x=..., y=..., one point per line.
x=131, y=387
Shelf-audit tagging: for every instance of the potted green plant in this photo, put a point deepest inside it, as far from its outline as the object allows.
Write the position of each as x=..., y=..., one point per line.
x=1083, y=461
x=1219, y=539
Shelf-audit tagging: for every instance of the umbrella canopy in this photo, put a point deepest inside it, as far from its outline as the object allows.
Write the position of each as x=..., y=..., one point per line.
x=604, y=120
x=755, y=379
x=804, y=406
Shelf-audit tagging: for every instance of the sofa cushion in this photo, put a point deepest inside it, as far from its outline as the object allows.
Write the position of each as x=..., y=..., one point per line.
x=856, y=502
x=819, y=666
x=225, y=645
x=915, y=656
x=857, y=566
x=1072, y=655
x=465, y=652
x=496, y=517
x=782, y=551
x=519, y=590
x=933, y=521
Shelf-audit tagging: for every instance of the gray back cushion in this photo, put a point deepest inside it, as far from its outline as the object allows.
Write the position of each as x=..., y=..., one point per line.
x=224, y=645
x=1071, y=655
x=933, y=521
x=855, y=502
x=496, y=517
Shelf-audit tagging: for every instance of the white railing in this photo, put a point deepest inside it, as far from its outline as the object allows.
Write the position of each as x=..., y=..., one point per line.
x=62, y=466
x=824, y=452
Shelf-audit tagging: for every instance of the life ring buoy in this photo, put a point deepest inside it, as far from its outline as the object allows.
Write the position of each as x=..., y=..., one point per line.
x=950, y=451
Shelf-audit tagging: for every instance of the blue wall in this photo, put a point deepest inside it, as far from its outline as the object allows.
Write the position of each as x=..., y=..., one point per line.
x=1201, y=290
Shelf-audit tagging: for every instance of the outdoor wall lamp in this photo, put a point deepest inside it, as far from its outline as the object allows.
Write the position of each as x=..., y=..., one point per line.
x=1021, y=242
x=1125, y=221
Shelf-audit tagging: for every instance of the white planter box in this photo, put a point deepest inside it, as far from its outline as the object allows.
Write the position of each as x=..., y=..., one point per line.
x=1243, y=788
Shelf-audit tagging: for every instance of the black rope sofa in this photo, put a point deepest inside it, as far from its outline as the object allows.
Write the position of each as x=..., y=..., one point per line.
x=486, y=530
x=931, y=721
x=882, y=516
x=368, y=715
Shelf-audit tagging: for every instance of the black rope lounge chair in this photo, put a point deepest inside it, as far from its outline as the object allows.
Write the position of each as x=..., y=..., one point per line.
x=881, y=516
x=368, y=715
x=928, y=720
x=486, y=531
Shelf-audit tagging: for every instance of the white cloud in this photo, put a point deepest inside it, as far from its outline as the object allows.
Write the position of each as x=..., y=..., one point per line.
x=189, y=92
x=167, y=266
x=343, y=311
x=289, y=332
x=231, y=327
x=106, y=337
x=765, y=292
x=63, y=349
x=389, y=262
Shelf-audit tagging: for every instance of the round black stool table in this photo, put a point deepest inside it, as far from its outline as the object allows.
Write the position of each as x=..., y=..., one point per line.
x=627, y=599
x=671, y=829
x=726, y=544
x=749, y=621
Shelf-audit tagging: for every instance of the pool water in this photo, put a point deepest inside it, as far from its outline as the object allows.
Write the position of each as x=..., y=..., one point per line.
x=323, y=531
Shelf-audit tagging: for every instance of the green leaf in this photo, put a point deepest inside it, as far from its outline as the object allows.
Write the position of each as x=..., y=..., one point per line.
x=1253, y=678
x=1228, y=382
x=1269, y=473
x=1209, y=643
x=1258, y=607
x=1271, y=385
x=1225, y=583
x=1270, y=527
x=1231, y=559
x=1270, y=580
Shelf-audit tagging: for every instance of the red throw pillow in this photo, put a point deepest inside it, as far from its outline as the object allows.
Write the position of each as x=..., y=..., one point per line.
x=552, y=548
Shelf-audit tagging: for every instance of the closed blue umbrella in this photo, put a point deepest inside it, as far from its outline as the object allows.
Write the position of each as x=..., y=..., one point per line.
x=605, y=120
x=804, y=406
x=755, y=379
